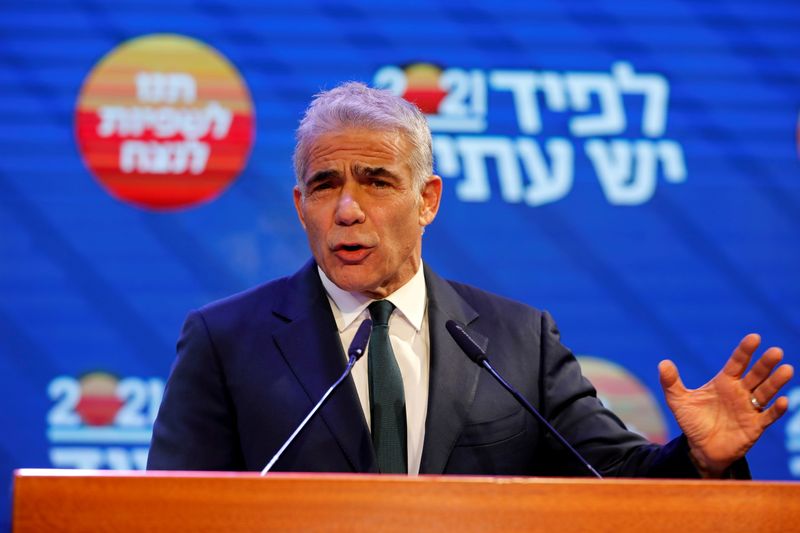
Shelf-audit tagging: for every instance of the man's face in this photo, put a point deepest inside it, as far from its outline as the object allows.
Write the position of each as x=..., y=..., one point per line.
x=362, y=212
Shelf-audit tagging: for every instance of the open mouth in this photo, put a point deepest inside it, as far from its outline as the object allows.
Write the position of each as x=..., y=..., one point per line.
x=351, y=253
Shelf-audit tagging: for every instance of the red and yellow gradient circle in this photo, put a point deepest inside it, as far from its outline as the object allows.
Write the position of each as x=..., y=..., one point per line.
x=98, y=404
x=164, y=122
x=621, y=392
x=423, y=88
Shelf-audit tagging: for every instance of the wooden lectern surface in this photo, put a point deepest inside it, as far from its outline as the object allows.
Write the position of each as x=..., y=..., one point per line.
x=74, y=500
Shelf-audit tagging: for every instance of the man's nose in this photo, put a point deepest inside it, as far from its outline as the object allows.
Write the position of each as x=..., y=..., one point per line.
x=348, y=210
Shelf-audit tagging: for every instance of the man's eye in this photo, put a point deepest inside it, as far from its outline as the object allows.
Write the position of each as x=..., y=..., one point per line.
x=317, y=187
x=379, y=184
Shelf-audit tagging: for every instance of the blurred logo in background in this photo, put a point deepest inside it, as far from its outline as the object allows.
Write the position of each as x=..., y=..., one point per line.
x=627, y=397
x=101, y=421
x=423, y=87
x=164, y=122
x=535, y=132
x=793, y=432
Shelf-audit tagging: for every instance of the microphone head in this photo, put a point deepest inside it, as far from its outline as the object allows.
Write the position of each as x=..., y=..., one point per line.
x=359, y=344
x=465, y=342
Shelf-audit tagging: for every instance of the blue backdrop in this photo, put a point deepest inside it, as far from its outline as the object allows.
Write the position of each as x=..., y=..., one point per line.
x=630, y=166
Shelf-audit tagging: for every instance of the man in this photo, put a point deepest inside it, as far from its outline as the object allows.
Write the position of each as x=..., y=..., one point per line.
x=250, y=367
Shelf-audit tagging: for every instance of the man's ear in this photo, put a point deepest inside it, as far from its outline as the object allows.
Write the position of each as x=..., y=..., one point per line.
x=430, y=198
x=298, y=205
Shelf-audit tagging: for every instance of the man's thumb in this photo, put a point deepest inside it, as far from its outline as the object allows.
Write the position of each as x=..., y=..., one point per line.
x=669, y=377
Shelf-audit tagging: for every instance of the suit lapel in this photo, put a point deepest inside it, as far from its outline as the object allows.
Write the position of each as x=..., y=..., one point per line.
x=453, y=377
x=311, y=346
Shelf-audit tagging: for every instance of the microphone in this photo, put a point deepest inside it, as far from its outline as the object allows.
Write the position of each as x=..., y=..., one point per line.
x=478, y=355
x=357, y=348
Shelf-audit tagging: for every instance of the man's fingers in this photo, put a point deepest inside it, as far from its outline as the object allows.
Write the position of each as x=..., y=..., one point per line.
x=740, y=358
x=762, y=368
x=770, y=387
x=669, y=377
x=775, y=411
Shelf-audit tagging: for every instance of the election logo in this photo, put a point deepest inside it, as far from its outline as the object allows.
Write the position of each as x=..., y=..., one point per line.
x=99, y=420
x=793, y=432
x=627, y=397
x=534, y=135
x=98, y=404
x=423, y=87
x=164, y=122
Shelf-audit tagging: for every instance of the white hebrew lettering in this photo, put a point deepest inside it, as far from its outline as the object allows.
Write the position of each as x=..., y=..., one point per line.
x=221, y=119
x=445, y=154
x=534, y=170
x=793, y=423
x=555, y=94
x=627, y=169
x=165, y=122
x=547, y=185
x=614, y=163
x=522, y=85
x=132, y=156
x=118, y=459
x=153, y=157
x=93, y=458
x=475, y=151
x=166, y=87
x=611, y=118
x=84, y=458
x=549, y=182
x=111, y=120
x=671, y=155
x=794, y=466
x=139, y=456
x=655, y=89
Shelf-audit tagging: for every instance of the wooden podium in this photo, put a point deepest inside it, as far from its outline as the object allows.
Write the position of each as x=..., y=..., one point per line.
x=76, y=500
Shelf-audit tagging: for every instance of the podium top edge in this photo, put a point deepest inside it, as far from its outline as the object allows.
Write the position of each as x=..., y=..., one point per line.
x=288, y=476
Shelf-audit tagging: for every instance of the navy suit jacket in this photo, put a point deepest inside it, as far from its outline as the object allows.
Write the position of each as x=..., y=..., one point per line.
x=250, y=367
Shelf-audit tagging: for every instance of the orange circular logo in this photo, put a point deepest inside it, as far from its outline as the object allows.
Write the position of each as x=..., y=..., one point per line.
x=99, y=403
x=423, y=87
x=164, y=122
x=624, y=394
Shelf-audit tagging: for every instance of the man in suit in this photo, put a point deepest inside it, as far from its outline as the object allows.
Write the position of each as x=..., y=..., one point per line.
x=251, y=366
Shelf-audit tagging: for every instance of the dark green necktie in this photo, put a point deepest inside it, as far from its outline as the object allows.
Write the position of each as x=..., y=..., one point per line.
x=386, y=398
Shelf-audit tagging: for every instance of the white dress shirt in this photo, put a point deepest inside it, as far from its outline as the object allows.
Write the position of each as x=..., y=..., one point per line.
x=408, y=333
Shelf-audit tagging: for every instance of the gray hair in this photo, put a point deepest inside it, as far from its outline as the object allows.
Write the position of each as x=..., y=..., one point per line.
x=354, y=105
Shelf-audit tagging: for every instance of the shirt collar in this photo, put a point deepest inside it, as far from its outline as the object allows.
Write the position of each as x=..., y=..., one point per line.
x=410, y=300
